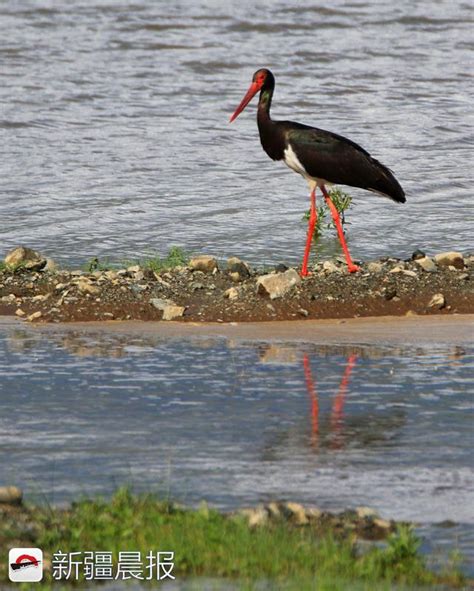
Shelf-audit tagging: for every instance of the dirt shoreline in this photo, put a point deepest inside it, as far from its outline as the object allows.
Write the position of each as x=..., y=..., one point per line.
x=457, y=329
x=207, y=291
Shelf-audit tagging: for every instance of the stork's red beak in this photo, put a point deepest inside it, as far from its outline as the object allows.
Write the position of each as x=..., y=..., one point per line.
x=251, y=92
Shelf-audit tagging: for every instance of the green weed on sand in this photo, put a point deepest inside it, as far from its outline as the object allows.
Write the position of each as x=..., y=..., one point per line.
x=208, y=544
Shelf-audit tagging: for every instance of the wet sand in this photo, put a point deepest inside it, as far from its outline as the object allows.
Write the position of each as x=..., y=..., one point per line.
x=453, y=329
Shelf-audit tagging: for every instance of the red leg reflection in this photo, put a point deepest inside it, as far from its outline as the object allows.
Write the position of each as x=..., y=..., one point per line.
x=337, y=413
x=313, y=396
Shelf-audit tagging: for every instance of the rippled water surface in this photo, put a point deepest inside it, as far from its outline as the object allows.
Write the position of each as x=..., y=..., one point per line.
x=237, y=423
x=115, y=141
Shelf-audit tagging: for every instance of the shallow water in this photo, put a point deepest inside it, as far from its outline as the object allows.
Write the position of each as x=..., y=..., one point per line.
x=237, y=423
x=115, y=141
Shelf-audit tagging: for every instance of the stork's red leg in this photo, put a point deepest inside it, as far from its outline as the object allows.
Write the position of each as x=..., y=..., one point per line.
x=313, y=396
x=311, y=224
x=337, y=412
x=351, y=267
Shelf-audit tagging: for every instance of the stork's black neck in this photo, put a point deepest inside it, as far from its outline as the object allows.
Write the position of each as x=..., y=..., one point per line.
x=270, y=138
x=265, y=100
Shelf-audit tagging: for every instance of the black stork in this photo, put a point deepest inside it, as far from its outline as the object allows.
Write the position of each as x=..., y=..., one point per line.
x=321, y=157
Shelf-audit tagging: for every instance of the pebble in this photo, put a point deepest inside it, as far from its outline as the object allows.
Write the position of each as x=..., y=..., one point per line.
x=20, y=312
x=133, y=269
x=50, y=266
x=40, y=298
x=27, y=258
x=363, y=512
x=170, y=309
x=426, y=264
x=257, y=517
x=236, y=266
x=417, y=255
x=34, y=316
x=389, y=293
x=10, y=495
x=313, y=513
x=298, y=513
x=232, y=293
x=277, y=285
x=437, y=301
x=236, y=277
x=382, y=523
x=273, y=509
x=330, y=267
x=204, y=263
x=85, y=287
x=397, y=269
x=160, y=280
x=195, y=285
x=445, y=259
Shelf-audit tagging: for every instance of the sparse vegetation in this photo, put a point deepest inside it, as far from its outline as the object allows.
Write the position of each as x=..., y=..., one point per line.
x=342, y=202
x=175, y=257
x=207, y=543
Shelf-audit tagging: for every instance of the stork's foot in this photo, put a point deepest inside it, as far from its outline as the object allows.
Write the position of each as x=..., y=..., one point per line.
x=305, y=273
x=353, y=268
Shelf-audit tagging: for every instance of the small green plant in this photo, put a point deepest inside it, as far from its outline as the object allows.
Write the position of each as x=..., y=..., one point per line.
x=96, y=264
x=93, y=265
x=342, y=201
x=175, y=258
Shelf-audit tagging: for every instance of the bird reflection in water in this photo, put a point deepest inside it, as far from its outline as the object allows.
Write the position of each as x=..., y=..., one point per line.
x=337, y=410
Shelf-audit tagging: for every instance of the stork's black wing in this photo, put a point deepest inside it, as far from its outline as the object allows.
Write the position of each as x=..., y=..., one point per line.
x=336, y=159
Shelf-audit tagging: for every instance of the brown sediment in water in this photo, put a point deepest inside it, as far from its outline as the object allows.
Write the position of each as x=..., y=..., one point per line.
x=456, y=329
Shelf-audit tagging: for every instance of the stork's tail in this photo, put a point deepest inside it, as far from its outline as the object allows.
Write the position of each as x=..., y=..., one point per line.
x=386, y=184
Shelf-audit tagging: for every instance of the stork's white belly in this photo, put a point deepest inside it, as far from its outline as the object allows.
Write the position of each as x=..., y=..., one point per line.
x=291, y=160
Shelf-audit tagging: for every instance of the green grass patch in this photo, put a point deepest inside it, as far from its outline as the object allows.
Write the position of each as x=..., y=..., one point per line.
x=176, y=257
x=208, y=544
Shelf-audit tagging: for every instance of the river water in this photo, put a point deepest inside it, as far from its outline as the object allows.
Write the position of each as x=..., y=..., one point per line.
x=114, y=123
x=237, y=423
x=115, y=143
